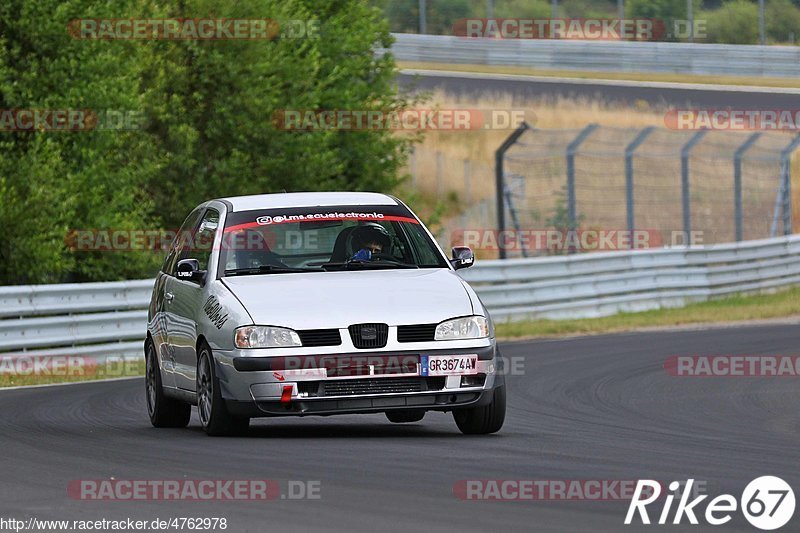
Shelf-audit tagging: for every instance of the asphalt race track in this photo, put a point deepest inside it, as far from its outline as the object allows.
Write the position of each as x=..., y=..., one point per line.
x=584, y=408
x=617, y=92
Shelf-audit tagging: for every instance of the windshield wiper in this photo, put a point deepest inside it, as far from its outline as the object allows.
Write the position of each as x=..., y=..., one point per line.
x=383, y=263
x=266, y=269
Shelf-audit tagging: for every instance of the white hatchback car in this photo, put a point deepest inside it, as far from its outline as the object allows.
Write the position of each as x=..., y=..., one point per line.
x=317, y=304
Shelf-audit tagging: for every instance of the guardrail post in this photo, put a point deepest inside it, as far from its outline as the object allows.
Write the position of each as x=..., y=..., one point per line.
x=738, y=214
x=499, y=155
x=786, y=181
x=629, y=151
x=572, y=148
x=687, y=207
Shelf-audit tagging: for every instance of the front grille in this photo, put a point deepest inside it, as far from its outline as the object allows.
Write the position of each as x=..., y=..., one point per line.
x=348, y=387
x=368, y=365
x=369, y=335
x=320, y=337
x=416, y=333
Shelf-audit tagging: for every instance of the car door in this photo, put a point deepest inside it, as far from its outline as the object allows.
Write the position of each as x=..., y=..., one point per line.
x=165, y=299
x=187, y=301
x=158, y=328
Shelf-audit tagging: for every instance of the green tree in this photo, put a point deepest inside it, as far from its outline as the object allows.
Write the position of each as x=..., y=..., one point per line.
x=666, y=11
x=207, y=109
x=735, y=22
x=440, y=16
x=783, y=21
x=534, y=9
x=52, y=182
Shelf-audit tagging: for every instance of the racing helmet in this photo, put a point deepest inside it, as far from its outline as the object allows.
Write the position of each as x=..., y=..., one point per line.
x=369, y=233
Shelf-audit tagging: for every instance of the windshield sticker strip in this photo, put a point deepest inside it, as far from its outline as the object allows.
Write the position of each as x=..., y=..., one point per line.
x=279, y=219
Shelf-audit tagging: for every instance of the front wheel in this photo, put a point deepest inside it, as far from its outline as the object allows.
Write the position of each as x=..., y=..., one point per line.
x=484, y=419
x=214, y=415
x=164, y=412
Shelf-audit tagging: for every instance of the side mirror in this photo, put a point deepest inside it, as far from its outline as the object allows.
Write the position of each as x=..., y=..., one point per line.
x=462, y=257
x=189, y=270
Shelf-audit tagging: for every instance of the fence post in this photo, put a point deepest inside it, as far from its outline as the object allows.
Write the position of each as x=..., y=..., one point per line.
x=413, y=165
x=786, y=179
x=439, y=174
x=514, y=219
x=629, y=151
x=738, y=214
x=499, y=155
x=572, y=148
x=467, y=182
x=687, y=207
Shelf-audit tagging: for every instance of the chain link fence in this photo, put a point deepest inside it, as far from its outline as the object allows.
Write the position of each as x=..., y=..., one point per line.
x=677, y=187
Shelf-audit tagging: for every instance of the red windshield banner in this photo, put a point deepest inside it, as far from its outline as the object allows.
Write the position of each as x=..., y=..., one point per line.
x=319, y=217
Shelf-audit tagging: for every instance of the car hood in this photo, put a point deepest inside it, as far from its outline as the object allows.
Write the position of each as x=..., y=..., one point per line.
x=338, y=299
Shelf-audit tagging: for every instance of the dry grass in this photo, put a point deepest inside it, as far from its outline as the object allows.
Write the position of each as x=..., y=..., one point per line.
x=446, y=177
x=733, y=309
x=478, y=146
x=111, y=370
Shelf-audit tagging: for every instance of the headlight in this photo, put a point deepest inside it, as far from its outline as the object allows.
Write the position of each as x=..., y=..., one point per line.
x=265, y=337
x=468, y=327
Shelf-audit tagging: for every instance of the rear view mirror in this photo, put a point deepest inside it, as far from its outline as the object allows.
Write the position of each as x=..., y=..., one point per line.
x=462, y=257
x=189, y=270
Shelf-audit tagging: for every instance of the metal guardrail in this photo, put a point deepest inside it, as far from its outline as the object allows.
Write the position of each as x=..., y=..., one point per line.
x=600, y=284
x=603, y=56
x=96, y=320
x=103, y=320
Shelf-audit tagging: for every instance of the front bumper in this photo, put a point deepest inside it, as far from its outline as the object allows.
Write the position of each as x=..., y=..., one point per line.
x=279, y=385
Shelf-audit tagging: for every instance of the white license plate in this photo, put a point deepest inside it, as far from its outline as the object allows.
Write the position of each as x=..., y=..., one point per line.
x=448, y=365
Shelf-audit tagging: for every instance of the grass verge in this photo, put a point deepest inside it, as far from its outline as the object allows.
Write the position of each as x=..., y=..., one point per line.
x=26, y=375
x=732, y=309
x=789, y=83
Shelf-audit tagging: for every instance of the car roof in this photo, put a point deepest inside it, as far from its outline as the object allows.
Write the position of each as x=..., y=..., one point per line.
x=306, y=199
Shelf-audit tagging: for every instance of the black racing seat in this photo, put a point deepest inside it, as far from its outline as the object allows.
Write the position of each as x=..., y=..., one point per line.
x=255, y=252
x=340, y=252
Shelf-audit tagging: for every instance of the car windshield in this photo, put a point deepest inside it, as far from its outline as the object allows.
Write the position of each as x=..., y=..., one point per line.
x=320, y=239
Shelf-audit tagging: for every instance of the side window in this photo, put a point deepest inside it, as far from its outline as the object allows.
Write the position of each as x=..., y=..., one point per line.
x=179, y=242
x=201, y=245
x=427, y=256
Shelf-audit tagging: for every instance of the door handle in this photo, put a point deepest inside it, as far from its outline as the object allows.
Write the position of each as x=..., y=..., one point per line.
x=168, y=296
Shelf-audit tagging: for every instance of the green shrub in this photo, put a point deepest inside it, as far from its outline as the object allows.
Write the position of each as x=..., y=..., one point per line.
x=783, y=21
x=735, y=22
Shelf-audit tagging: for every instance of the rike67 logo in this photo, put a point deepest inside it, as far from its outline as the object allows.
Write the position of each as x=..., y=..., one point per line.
x=767, y=503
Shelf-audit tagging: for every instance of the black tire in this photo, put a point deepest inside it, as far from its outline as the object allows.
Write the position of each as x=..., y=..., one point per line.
x=214, y=415
x=403, y=417
x=164, y=412
x=484, y=419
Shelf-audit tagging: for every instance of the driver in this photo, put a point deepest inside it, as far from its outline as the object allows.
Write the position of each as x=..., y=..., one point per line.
x=371, y=238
